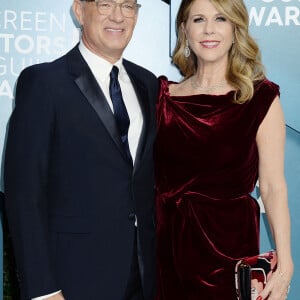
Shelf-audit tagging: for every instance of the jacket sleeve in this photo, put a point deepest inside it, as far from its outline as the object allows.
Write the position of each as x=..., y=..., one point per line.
x=26, y=167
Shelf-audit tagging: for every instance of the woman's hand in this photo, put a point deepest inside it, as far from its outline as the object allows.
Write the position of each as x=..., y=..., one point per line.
x=278, y=285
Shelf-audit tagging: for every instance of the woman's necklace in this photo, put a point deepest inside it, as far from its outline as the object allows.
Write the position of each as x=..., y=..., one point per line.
x=207, y=89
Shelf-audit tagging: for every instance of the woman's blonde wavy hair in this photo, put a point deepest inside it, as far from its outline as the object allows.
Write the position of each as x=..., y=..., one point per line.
x=244, y=58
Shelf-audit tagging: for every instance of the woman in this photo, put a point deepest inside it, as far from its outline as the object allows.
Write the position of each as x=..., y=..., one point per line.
x=219, y=129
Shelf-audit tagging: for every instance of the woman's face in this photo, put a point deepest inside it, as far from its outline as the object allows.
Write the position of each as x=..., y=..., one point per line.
x=209, y=33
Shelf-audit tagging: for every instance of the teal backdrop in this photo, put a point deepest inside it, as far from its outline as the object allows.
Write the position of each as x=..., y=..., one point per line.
x=36, y=31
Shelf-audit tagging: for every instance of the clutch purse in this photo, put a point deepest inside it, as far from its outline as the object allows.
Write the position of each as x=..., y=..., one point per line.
x=252, y=274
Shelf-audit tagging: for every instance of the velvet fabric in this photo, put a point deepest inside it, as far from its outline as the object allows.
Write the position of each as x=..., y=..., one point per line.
x=206, y=167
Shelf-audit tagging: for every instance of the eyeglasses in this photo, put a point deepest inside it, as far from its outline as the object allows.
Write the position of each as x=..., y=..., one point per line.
x=105, y=7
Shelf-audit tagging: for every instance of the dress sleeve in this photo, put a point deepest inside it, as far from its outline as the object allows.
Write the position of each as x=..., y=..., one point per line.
x=163, y=88
x=264, y=95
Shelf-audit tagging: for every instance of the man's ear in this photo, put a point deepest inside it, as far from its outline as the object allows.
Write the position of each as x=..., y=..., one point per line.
x=78, y=11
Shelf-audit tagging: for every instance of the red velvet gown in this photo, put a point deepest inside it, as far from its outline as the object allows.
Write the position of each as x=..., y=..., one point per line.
x=206, y=166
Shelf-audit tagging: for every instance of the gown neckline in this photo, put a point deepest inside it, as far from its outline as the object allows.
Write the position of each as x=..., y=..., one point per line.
x=177, y=97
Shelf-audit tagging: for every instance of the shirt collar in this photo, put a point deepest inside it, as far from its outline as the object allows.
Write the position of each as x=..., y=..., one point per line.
x=100, y=67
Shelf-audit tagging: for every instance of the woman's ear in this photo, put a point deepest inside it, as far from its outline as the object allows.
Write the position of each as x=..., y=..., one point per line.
x=182, y=26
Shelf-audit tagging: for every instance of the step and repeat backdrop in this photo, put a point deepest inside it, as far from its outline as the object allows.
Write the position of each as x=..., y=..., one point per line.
x=36, y=31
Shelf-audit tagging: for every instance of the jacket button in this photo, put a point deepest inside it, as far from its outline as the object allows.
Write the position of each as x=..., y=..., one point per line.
x=131, y=216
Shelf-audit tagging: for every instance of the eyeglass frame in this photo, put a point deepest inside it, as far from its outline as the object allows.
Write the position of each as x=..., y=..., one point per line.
x=137, y=5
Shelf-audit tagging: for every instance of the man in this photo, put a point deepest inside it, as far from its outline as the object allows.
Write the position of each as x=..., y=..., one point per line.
x=79, y=184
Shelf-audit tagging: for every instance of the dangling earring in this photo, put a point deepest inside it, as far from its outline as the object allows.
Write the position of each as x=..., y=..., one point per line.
x=187, y=51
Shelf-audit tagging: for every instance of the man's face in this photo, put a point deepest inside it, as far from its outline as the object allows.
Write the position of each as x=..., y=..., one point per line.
x=105, y=35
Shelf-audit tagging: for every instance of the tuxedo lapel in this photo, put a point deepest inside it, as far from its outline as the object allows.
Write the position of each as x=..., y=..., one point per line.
x=142, y=96
x=89, y=87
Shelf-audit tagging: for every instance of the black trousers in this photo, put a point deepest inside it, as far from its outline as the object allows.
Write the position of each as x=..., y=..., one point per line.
x=134, y=288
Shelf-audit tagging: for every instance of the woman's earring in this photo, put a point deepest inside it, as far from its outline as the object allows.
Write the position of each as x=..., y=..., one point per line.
x=187, y=51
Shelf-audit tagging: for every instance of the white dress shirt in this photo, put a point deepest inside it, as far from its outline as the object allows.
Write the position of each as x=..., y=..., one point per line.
x=101, y=69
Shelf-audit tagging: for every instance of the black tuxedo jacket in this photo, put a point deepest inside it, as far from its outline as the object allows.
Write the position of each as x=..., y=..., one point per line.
x=71, y=193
